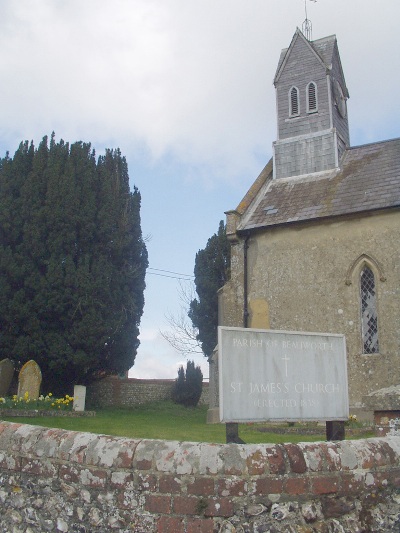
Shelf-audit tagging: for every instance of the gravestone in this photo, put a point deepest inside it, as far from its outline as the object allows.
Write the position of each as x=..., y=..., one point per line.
x=6, y=375
x=29, y=380
x=79, y=397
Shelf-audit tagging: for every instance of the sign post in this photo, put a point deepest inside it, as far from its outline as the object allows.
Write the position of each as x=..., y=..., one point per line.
x=281, y=375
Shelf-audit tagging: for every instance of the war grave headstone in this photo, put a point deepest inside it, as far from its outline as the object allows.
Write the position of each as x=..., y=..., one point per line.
x=6, y=375
x=267, y=375
x=29, y=380
x=79, y=398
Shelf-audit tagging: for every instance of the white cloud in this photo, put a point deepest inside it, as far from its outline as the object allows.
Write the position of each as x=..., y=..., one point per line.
x=185, y=90
x=191, y=79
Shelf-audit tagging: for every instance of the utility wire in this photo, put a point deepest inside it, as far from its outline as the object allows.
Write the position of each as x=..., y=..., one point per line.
x=169, y=272
x=166, y=276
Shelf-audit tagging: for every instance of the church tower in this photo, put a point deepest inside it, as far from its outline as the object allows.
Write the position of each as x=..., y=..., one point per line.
x=311, y=95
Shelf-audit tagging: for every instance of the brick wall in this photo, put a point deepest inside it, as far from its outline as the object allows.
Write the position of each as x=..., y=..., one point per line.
x=52, y=479
x=117, y=392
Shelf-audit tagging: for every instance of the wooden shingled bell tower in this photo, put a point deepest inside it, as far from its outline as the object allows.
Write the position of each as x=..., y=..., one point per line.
x=311, y=95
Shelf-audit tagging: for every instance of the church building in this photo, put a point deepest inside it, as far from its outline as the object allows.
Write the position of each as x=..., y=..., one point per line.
x=315, y=240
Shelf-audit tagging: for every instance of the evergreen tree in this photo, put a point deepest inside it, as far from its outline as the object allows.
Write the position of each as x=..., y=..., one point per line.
x=212, y=271
x=72, y=260
x=188, y=386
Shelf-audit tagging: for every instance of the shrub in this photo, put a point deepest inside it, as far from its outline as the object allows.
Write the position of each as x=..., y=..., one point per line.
x=188, y=385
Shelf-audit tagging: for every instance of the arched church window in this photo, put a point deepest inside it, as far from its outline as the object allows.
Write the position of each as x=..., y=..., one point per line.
x=369, y=315
x=294, y=104
x=312, y=102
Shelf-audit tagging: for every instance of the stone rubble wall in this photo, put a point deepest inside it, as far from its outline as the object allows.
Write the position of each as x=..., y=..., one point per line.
x=128, y=392
x=57, y=480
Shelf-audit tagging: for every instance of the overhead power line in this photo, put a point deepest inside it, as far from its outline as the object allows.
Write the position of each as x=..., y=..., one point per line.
x=175, y=274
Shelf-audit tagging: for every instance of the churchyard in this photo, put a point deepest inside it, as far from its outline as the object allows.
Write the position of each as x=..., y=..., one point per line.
x=161, y=467
x=156, y=420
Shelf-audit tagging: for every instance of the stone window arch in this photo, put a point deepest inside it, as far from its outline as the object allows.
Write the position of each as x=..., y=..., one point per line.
x=368, y=271
x=369, y=311
x=294, y=102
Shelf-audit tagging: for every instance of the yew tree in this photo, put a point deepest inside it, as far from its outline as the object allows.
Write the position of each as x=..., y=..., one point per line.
x=211, y=271
x=72, y=262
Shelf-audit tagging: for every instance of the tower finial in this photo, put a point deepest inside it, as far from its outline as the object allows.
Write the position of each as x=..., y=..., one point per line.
x=307, y=26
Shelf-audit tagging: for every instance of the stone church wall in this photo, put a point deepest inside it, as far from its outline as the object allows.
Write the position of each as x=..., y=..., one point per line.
x=57, y=480
x=307, y=279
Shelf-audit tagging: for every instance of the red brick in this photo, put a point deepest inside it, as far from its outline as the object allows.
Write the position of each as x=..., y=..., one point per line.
x=325, y=485
x=69, y=473
x=276, y=460
x=297, y=485
x=379, y=455
x=332, y=457
x=269, y=485
x=315, y=457
x=170, y=524
x=231, y=487
x=351, y=485
x=201, y=487
x=125, y=456
x=219, y=507
x=391, y=456
x=186, y=505
x=169, y=484
x=3, y=427
x=144, y=464
x=120, y=480
x=147, y=482
x=296, y=459
x=38, y=467
x=93, y=478
x=127, y=499
x=365, y=456
x=257, y=463
x=158, y=504
x=200, y=525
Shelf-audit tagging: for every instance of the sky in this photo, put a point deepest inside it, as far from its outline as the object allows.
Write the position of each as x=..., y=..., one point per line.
x=184, y=89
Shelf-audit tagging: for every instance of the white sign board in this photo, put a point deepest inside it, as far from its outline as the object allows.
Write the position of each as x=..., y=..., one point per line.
x=281, y=375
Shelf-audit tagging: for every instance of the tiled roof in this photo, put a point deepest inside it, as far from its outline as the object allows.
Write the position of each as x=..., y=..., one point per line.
x=368, y=180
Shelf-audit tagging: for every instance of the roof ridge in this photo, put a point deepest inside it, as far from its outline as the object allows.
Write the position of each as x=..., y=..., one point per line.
x=372, y=143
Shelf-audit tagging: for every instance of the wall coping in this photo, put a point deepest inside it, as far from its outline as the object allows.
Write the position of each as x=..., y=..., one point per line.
x=193, y=458
x=67, y=479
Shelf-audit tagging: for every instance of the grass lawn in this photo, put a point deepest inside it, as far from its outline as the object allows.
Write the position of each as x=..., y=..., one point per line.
x=164, y=420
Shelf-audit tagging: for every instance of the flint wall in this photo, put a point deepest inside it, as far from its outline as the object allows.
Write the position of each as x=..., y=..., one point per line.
x=128, y=392
x=57, y=480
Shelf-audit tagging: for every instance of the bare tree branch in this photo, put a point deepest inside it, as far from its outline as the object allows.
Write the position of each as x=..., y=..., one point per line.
x=182, y=336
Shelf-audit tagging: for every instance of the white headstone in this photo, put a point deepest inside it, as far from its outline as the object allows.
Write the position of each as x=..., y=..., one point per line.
x=79, y=398
x=280, y=375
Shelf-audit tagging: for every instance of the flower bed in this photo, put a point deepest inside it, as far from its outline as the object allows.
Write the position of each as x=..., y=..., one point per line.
x=42, y=406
